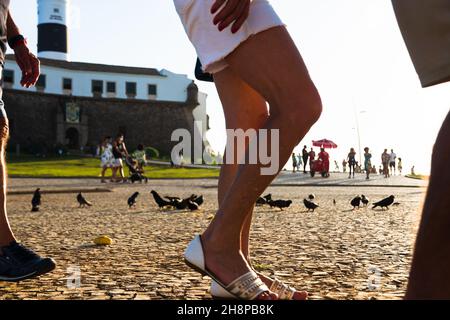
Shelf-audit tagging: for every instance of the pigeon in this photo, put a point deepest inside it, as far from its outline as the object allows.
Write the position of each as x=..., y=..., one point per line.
x=311, y=197
x=280, y=203
x=160, y=201
x=36, y=201
x=193, y=206
x=173, y=198
x=264, y=200
x=132, y=200
x=356, y=202
x=179, y=204
x=364, y=200
x=261, y=201
x=82, y=201
x=198, y=200
x=310, y=205
x=385, y=203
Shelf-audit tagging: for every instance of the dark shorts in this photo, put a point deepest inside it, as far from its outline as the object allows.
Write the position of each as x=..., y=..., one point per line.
x=392, y=164
x=425, y=26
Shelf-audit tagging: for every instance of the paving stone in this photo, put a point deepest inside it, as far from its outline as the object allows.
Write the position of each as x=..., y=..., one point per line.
x=333, y=253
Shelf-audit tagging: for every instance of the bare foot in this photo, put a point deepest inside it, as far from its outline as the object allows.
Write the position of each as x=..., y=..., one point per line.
x=228, y=265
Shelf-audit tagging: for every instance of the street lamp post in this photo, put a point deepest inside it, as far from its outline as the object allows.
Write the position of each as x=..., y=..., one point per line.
x=358, y=132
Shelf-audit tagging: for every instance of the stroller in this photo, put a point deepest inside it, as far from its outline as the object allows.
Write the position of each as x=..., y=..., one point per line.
x=135, y=173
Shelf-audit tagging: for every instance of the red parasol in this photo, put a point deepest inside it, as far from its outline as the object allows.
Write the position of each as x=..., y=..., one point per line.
x=325, y=143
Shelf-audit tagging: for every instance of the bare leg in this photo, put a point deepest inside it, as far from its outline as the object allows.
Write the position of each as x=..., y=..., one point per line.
x=429, y=278
x=244, y=109
x=281, y=77
x=114, y=174
x=122, y=174
x=6, y=234
x=103, y=173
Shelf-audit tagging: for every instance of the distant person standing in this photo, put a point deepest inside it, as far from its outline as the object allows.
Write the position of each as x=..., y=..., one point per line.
x=106, y=157
x=299, y=162
x=344, y=166
x=351, y=162
x=325, y=158
x=385, y=158
x=312, y=157
x=305, y=156
x=178, y=160
x=119, y=152
x=400, y=166
x=392, y=159
x=294, y=162
x=367, y=162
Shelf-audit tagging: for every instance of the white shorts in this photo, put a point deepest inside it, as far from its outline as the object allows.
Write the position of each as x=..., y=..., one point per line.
x=117, y=163
x=107, y=162
x=213, y=46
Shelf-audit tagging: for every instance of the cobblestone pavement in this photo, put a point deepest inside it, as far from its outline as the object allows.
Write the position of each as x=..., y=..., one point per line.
x=333, y=253
x=341, y=179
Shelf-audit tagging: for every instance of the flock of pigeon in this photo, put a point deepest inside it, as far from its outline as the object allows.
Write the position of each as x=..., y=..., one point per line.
x=356, y=202
x=194, y=202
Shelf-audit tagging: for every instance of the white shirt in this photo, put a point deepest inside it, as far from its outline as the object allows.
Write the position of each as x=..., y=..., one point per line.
x=393, y=156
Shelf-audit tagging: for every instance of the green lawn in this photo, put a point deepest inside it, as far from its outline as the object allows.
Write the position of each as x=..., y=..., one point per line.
x=77, y=167
x=417, y=177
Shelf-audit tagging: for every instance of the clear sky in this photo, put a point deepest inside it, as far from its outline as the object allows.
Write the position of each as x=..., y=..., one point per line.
x=353, y=48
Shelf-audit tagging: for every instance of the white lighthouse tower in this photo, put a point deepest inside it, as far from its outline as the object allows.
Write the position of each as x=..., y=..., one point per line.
x=52, y=29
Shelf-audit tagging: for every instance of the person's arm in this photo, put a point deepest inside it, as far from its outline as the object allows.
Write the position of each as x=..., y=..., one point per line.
x=233, y=12
x=125, y=151
x=27, y=62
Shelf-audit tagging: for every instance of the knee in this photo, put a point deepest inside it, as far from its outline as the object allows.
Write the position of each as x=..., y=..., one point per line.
x=313, y=107
x=307, y=106
x=254, y=119
x=304, y=107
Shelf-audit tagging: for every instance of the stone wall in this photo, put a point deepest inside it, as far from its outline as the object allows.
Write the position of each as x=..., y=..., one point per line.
x=38, y=118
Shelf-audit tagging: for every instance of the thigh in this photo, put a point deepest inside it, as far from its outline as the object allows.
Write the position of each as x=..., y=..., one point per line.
x=4, y=123
x=4, y=130
x=243, y=107
x=272, y=65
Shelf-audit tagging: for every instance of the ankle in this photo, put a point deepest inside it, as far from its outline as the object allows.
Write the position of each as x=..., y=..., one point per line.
x=220, y=247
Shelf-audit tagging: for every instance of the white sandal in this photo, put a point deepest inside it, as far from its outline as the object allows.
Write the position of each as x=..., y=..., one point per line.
x=247, y=287
x=284, y=291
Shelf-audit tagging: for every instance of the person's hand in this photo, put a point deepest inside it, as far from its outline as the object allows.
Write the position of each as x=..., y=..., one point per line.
x=29, y=65
x=233, y=12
